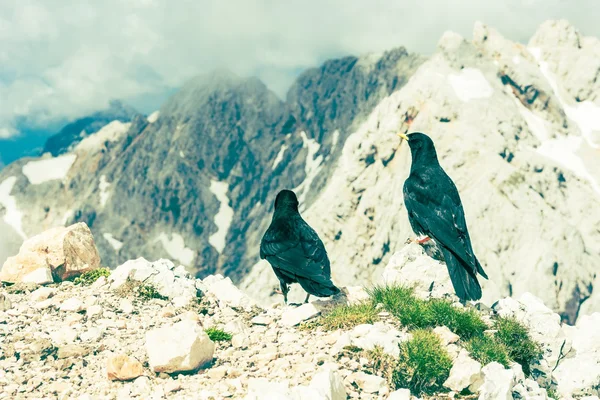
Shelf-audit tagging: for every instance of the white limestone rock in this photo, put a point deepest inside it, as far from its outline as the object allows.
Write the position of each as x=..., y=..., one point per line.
x=465, y=373
x=183, y=346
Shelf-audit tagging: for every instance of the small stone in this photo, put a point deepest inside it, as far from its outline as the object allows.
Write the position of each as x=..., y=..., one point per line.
x=141, y=386
x=447, y=336
x=42, y=305
x=261, y=320
x=294, y=316
x=167, y=312
x=72, y=305
x=72, y=350
x=328, y=383
x=368, y=383
x=94, y=310
x=172, y=386
x=217, y=373
x=181, y=301
x=92, y=335
x=5, y=303
x=401, y=394
x=42, y=293
x=64, y=336
x=73, y=319
x=99, y=283
x=125, y=306
x=123, y=368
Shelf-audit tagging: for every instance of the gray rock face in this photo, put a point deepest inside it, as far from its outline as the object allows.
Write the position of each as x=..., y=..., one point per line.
x=76, y=131
x=196, y=183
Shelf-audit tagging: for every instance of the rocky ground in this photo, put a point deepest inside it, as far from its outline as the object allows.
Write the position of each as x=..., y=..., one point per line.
x=150, y=330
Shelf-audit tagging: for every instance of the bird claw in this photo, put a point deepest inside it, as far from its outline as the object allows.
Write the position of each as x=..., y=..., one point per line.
x=423, y=240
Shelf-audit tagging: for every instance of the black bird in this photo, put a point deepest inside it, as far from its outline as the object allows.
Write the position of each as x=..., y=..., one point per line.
x=295, y=251
x=436, y=212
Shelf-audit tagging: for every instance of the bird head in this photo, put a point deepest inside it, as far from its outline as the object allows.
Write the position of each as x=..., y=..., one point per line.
x=421, y=146
x=286, y=199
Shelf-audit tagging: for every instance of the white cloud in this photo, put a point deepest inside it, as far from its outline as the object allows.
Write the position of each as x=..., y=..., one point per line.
x=66, y=58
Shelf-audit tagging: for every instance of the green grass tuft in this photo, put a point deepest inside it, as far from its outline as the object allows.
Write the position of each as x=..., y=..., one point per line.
x=466, y=323
x=401, y=302
x=553, y=394
x=515, y=336
x=345, y=317
x=415, y=313
x=424, y=364
x=87, y=278
x=148, y=291
x=217, y=335
x=487, y=349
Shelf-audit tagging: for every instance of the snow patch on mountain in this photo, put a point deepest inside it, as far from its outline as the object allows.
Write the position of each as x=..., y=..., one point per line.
x=48, y=169
x=587, y=117
x=109, y=133
x=586, y=114
x=152, y=118
x=104, y=194
x=223, y=217
x=12, y=215
x=66, y=217
x=175, y=247
x=470, y=84
x=116, y=244
x=311, y=167
x=279, y=156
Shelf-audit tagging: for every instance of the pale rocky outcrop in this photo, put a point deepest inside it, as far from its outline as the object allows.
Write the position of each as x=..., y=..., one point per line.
x=54, y=255
x=532, y=219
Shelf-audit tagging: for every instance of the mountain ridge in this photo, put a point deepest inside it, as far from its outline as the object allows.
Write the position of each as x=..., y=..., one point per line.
x=196, y=181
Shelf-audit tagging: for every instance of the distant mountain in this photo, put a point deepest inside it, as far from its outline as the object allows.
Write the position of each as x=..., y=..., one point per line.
x=516, y=127
x=76, y=131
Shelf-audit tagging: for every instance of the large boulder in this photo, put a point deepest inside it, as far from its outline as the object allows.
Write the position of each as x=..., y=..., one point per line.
x=52, y=256
x=180, y=347
x=544, y=326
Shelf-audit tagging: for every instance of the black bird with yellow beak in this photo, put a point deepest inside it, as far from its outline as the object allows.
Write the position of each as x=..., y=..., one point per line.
x=435, y=211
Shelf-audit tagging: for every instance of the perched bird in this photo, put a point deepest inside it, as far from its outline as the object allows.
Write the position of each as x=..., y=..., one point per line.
x=295, y=251
x=436, y=212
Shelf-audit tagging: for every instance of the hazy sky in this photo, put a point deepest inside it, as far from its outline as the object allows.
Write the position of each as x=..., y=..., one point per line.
x=65, y=58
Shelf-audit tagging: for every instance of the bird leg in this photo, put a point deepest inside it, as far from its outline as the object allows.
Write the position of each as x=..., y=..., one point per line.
x=421, y=240
x=284, y=291
x=307, y=296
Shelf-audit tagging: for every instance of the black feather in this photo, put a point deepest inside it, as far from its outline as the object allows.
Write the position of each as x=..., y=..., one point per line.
x=435, y=209
x=295, y=251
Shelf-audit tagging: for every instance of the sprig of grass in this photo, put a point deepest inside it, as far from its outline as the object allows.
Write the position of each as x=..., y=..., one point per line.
x=218, y=335
x=89, y=277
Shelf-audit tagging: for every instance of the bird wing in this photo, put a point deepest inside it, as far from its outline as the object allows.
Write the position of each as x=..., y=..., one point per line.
x=301, y=256
x=437, y=208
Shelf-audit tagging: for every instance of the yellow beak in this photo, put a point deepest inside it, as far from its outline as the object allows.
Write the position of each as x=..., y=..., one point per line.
x=403, y=136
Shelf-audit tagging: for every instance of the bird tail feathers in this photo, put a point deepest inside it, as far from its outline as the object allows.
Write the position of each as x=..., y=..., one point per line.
x=318, y=289
x=465, y=285
x=480, y=270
